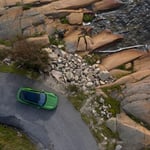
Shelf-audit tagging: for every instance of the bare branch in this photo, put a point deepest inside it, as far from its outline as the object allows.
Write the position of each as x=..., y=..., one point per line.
x=125, y=48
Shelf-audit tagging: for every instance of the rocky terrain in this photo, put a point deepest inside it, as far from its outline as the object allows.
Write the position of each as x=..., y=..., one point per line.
x=115, y=100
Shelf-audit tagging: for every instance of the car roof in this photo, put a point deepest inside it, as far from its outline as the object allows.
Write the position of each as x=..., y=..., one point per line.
x=30, y=96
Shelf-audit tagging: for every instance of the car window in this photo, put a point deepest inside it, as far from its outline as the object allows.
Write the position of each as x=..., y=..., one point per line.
x=30, y=96
x=42, y=99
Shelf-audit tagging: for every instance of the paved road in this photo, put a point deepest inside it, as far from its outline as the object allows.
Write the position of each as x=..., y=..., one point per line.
x=61, y=129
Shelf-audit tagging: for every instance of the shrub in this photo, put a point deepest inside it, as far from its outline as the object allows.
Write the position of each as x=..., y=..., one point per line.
x=4, y=53
x=30, y=56
x=64, y=20
x=88, y=17
x=5, y=42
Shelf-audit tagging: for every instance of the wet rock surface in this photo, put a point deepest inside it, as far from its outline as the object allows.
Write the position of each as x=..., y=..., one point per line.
x=132, y=20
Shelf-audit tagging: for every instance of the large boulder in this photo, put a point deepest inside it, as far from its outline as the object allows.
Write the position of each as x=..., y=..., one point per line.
x=75, y=18
x=103, y=38
x=40, y=41
x=10, y=29
x=63, y=4
x=133, y=135
x=137, y=100
x=139, y=109
x=142, y=63
x=106, y=4
x=131, y=78
x=84, y=43
x=10, y=3
x=16, y=23
x=71, y=41
x=120, y=58
x=10, y=26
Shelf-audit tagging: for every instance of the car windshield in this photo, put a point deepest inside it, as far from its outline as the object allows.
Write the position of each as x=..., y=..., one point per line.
x=37, y=98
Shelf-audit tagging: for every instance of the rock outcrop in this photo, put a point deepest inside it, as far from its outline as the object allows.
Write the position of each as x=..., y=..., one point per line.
x=133, y=135
x=120, y=58
x=63, y=20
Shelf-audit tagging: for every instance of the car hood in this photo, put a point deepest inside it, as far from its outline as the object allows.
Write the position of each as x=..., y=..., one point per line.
x=51, y=101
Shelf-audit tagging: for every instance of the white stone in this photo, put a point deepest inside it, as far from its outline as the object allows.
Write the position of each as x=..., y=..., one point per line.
x=89, y=84
x=118, y=147
x=57, y=75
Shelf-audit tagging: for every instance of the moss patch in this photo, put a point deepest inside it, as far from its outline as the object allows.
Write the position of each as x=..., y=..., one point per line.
x=88, y=17
x=5, y=42
x=4, y=54
x=14, y=140
x=115, y=104
x=78, y=99
x=64, y=20
x=92, y=59
x=13, y=69
x=76, y=96
x=27, y=6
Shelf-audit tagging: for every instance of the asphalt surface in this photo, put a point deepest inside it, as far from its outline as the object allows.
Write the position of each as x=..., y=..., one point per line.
x=60, y=129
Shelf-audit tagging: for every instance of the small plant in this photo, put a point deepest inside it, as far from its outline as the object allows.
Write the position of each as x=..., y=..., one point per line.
x=5, y=42
x=27, y=6
x=36, y=34
x=64, y=20
x=24, y=72
x=97, y=135
x=72, y=88
x=88, y=17
x=122, y=67
x=92, y=59
x=77, y=97
x=57, y=38
x=115, y=104
x=4, y=54
x=18, y=4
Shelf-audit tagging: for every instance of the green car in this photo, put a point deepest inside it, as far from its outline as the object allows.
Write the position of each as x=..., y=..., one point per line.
x=39, y=99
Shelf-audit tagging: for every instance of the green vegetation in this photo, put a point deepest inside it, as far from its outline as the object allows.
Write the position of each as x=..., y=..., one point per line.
x=88, y=119
x=115, y=104
x=27, y=6
x=12, y=139
x=37, y=34
x=107, y=132
x=123, y=67
x=12, y=69
x=4, y=54
x=85, y=118
x=73, y=88
x=92, y=59
x=55, y=41
x=18, y=4
x=5, y=42
x=64, y=20
x=88, y=17
x=77, y=97
x=97, y=135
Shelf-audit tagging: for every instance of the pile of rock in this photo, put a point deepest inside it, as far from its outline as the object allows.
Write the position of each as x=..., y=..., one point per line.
x=73, y=69
x=97, y=108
